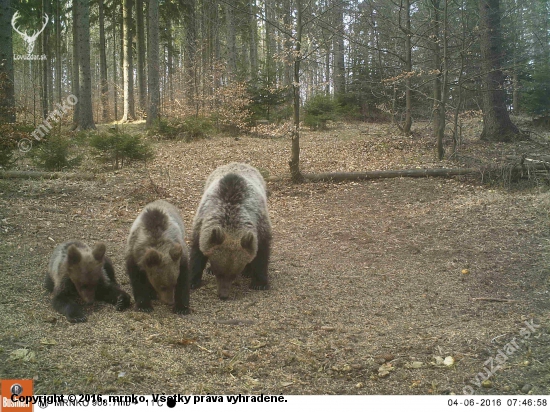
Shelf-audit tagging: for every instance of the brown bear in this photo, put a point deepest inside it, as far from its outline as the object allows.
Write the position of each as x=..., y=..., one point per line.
x=157, y=258
x=231, y=229
x=75, y=270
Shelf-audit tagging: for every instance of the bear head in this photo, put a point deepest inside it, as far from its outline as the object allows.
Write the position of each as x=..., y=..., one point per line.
x=162, y=269
x=85, y=269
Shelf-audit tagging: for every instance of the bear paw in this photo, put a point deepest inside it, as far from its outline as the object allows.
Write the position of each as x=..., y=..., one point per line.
x=77, y=318
x=122, y=302
x=183, y=310
x=144, y=307
x=256, y=286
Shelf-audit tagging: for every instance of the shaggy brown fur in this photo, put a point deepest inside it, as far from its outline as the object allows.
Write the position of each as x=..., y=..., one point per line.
x=77, y=271
x=157, y=259
x=232, y=229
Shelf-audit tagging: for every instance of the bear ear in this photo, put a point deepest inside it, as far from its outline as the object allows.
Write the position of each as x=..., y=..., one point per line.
x=176, y=251
x=99, y=251
x=73, y=255
x=152, y=258
x=248, y=242
x=216, y=237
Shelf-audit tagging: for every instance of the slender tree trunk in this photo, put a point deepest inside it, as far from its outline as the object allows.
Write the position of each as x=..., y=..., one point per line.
x=294, y=163
x=153, y=63
x=128, y=70
x=437, y=64
x=338, y=41
x=76, y=59
x=287, y=45
x=170, y=60
x=46, y=71
x=270, y=45
x=231, y=42
x=103, y=66
x=7, y=91
x=58, y=57
x=86, y=117
x=497, y=125
x=189, y=57
x=115, y=88
x=444, y=88
x=141, y=78
x=408, y=68
x=253, y=41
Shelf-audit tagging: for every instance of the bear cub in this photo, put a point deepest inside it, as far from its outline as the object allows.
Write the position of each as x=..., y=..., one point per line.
x=157, y=258
x=77, y=271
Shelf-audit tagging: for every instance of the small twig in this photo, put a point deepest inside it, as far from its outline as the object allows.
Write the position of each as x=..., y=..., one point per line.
x=497, y=300
x=203, y=348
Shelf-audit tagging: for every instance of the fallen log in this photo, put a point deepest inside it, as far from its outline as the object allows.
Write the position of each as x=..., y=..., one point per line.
x=384, y=174
x=16, y=174
x=512, y=172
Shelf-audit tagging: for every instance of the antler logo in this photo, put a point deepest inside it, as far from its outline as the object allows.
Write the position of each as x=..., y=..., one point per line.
x=29, y=39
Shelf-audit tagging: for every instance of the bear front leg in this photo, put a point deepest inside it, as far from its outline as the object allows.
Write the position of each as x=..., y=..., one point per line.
x=181, y=305
x=113, y=294
x=140, y=286
x=257, y=269
x=197, y=262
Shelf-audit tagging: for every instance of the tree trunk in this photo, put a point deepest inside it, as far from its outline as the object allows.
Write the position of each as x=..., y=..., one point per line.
x=338, y=47
x=408, y=69
x=287, y=45
x=497, y=125
x=103, y=66
x=295, y=152
x=153, y=63
x=76, y=72
x=189, y=57
x=115, y=83
x=444, y=85
x=253, y=41
x=128, y=70
x=58, y=57
x=140, y=44
x=270, y=45
x=46, y=70
x=86, y=117
x=231, y=42
x=7, y=91
x=438, y=75
x=170, y=60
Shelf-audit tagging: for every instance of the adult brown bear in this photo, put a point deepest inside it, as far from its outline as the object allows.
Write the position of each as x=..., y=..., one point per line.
x=231, y=229
x=75, y=270
x=157, y=258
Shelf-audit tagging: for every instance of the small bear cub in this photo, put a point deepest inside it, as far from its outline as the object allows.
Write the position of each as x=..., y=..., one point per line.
x=157, y=258
x=77, y=271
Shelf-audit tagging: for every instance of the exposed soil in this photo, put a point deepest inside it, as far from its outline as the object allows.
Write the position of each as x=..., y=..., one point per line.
x=374, y=284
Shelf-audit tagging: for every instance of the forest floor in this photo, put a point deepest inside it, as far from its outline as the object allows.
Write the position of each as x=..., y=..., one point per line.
x=375, y=285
